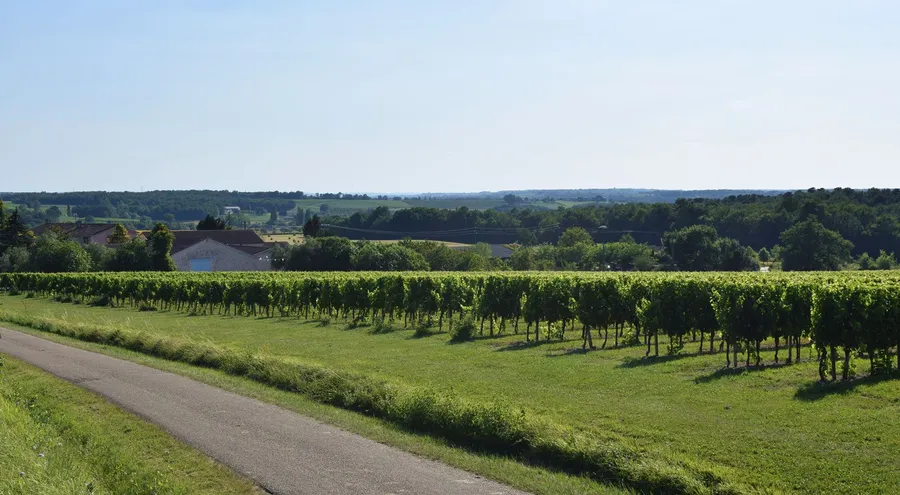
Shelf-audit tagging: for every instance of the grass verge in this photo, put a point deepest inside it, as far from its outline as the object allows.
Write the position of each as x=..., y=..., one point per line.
x=59, y=439
x=503, y=469
x=773, y=428
x=494, y=428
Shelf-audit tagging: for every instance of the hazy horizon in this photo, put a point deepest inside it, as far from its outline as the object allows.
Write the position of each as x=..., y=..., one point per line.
x=407, y=193
x=451, y=97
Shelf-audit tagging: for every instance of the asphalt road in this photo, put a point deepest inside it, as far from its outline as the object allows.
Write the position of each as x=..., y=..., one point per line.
x=284, y=452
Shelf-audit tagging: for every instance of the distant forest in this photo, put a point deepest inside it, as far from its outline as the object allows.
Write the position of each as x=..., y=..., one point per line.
x=194, y=205
x=182, y=205
x=868, y=218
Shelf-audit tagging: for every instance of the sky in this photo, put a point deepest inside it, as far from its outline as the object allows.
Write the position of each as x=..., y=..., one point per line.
x=448, y=96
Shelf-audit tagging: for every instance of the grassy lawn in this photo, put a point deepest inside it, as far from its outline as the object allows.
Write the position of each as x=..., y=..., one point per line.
x=59, y=439
x=771, y=428
x=532, y=479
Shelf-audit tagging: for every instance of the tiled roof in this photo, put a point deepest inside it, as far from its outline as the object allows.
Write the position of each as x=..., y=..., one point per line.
x=60, y=226
x=187, y=238
x=254, y=249
x=78, y=231
x=90, y=229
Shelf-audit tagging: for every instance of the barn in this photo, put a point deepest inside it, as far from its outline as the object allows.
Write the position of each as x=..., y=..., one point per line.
x=221, y=251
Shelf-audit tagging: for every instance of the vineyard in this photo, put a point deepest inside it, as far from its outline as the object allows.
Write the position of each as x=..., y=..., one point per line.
x=842, y=315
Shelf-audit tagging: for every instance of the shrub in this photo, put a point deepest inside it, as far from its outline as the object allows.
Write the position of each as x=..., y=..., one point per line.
x=423, y=327
x=382, y=326
x=103, y=300
x=358, y=321
x=463, y=330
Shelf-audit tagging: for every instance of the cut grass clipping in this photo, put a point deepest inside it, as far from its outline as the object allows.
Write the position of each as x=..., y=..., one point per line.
x=58, y=439
x=494, y=428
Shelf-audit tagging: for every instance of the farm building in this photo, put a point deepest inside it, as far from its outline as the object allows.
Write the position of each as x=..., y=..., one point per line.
x=221, y=251
x=83, y=233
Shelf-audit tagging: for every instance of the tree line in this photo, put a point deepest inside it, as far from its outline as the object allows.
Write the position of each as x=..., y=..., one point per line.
x=341, y=254
x=806, y=246
x=868, y=219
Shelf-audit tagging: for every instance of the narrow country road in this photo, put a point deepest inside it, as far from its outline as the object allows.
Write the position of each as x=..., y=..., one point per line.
x=284, y=452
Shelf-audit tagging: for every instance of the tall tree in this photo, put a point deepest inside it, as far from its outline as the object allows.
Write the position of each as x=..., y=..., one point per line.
x=132, y=256
x=2, y=216
x=52, y=254
x=273, y=217
x=300, y=217
x=885, y=261
x=160, y=246
x=15, y=259
x=573, y=236
x=512, y=199
x=694, y=248
x=312, y=227
x=54, y=213
x=526, y=237
x=808, y=245
x=119, y=235
x=212, y=223
x=15, y=232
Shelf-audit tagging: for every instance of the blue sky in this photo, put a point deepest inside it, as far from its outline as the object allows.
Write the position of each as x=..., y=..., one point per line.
x=413, y=96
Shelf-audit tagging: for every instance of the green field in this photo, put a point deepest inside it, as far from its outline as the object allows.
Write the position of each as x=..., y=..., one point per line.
x=769, y=427
x=59, y=439
x=286, y=238
x=452, y=204
x=351, y=204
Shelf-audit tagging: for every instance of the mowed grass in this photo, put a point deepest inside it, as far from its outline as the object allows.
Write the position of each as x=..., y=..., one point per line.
x=773, y=428
x=58, y=439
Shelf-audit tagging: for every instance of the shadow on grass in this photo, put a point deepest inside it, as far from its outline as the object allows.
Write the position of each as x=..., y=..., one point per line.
x=575, y=351
x=521, y=346
x=814, y=391
x=725, y=372
x=651, y=360
x=422, y=334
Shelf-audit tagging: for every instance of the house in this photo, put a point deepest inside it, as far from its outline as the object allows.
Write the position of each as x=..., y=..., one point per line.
x=221, y=251
x=232, y=210
x=83, y=233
